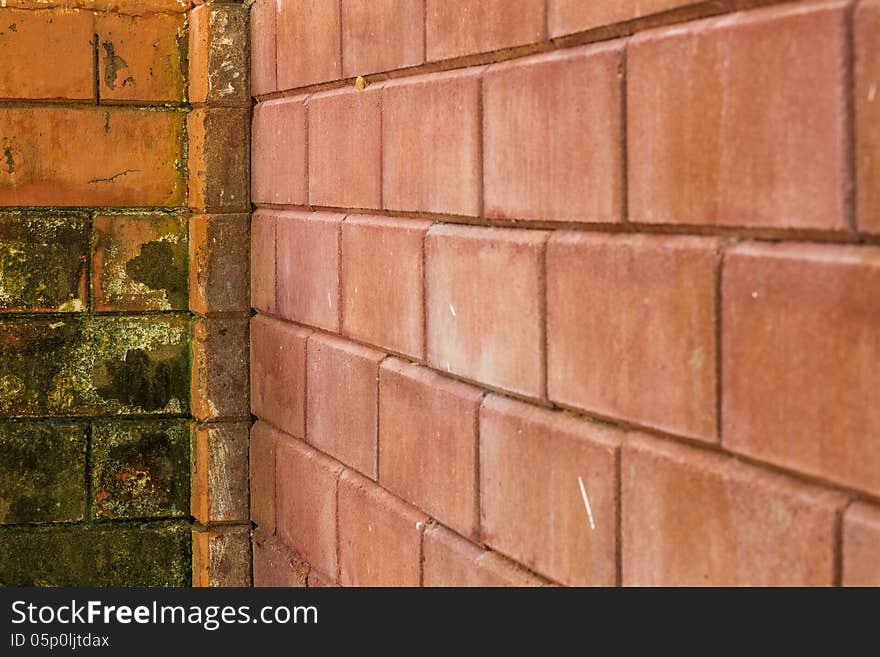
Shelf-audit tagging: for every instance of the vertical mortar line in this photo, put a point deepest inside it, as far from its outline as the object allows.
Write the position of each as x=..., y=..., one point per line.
x=422, y=555
x=478, y=494
x=339, y=318
x=481, y=203
x=96, y=68
x=542, y=308
x=308, y=203
x=424, y=277
x=624, y=136
x=90, y=257
x=87, y=514
x=339, y=23
x=719, y=336
x=851, y=143
x=378, y=410
x=306, y=377
x=425, y=31
x=545, y=22
x=837, y=573
x=338, y=573
x=618, y=515
x=381, y=92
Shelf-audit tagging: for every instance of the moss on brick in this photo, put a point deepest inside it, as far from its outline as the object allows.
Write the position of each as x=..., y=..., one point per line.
x=110, y=554
x=42, y=472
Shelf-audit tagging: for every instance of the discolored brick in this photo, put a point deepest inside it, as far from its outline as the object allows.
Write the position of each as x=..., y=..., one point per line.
x=219, y=166
x=220, y=368
x=276, y=565
x=218, y=55
x=219, y=472
x=221, y=556
x=219, y=263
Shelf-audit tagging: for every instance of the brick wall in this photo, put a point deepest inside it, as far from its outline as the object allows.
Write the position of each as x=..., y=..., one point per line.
x=569, y=293
x=122, y=343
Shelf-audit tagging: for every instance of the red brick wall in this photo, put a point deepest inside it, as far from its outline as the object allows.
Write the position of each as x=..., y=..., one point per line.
x=578, y=293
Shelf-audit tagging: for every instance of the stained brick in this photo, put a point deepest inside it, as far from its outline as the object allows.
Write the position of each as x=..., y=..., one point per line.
x=218, y=263
x=222, y=556
x=261, y=467
x=219, y=168
x=308, y=42
x=275, y=565
x=218, y=54
x=263, y=27
x=220, y=368
x=861, y=545
x=381, y=35
x=219, y=464
x=278, y=152
x=866, y=23
x=263, y=260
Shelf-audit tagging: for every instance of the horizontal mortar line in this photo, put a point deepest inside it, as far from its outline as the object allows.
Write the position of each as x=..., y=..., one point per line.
x=124, y=314
x=78, y=210
x=104, y=522
x=198, y=525
x=97, y=419
x=21, y=103
x=149, y=12
x=223, y=419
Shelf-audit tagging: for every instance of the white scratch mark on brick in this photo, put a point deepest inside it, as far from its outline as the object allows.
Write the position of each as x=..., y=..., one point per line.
x=586, y=503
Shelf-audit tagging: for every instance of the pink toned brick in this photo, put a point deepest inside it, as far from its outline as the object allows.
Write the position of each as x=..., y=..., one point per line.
x=866, y=22
x=631, y=328
x=382, y=293
x=278, y=366
x=531, y=464
x=263, y=78
x=741, y=120
x=278, y=152
x=431, y=143
x=428, y=442
x=569, y=16
x=485, y=307
x=379, y=536
x=343, y=383
x=861, y=545
x=308, y=42
x=450, y=560
x=381, y=35
x=306, y=503
x=800, y=344
x=553, y=136
x=263, y=261
x=694, y=518
x=262, y=476
x=307, y=253
x=456, y=28
x=345, y=149
x=276, y=566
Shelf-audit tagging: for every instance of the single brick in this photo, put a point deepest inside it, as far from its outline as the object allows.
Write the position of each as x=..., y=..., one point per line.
x=483, y=293
x=263, y=260
x=553, y=136
x=278, y=373
x=261, y=466
x=64, y=67
x=548, y=491
x=221, y=556
x=220, y=368
x=219, y=167
x=861, y=545
x=631, y=328
x=43, y=263
x=275, y=565
x=218, y=263
x=866, y=22
x=345, y=149
x=218, y=55
x=139, y=262
x=42, y=472
x=263, y=78
x=141, y=58
x=342, y=405
x=432, y=164
x=381, y=35
x=569, y=16
x=741, y=120
x=307, y=268
x=450, y=560
x=306, y=485
x=140, y=469
x=800, y=328
x=278, y=152
x=428, y=442
x=694, y=518
x=308, y=43
x=379, y=536
x=219, y=463
x=381, y=280
x=134, y=157
x=456, y=28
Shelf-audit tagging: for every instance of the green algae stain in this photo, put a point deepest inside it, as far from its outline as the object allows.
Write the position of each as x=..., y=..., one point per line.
x=113, y=63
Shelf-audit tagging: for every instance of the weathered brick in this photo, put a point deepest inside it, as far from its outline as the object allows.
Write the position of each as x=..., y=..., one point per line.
x=307, y=268
x=553, y=136
x=381, y=281
x=569, y=16
x=432, y=164
x=379, y=536
x=219, y=166
x=261, y=466
x=631, y=328
x=345, y=149
x=278, y=373
x=861, y=545
x=381, y=35
x=428, y=442
x=134, y=157
x=456, y=28
x=46, y=54
x=218, y=263
x=799, y=332
x=128, y=7
x=221, y=556
x=220, y=368
x=741, y=121
x=484, y=307
x=866, y=23
x=43, y=263
x=263, y=260
x=263, y=78
x=139, y=262
x=140, y=469
x=308, y=42
x=548, y=491
x=42, y=472
x=219, y=465
x=141, y=58
x=278, y=154
x=342, y=405
x=319, y=580
x=218, y=55
x=691, y=518
x=275, y=565
x=450, y=560
x=306, y=485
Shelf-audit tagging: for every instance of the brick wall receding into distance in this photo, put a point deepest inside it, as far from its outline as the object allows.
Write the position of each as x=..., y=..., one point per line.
x=124, y=235
x=576, y=293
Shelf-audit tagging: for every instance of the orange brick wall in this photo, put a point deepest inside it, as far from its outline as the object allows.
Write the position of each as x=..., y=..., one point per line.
x=570, y=293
